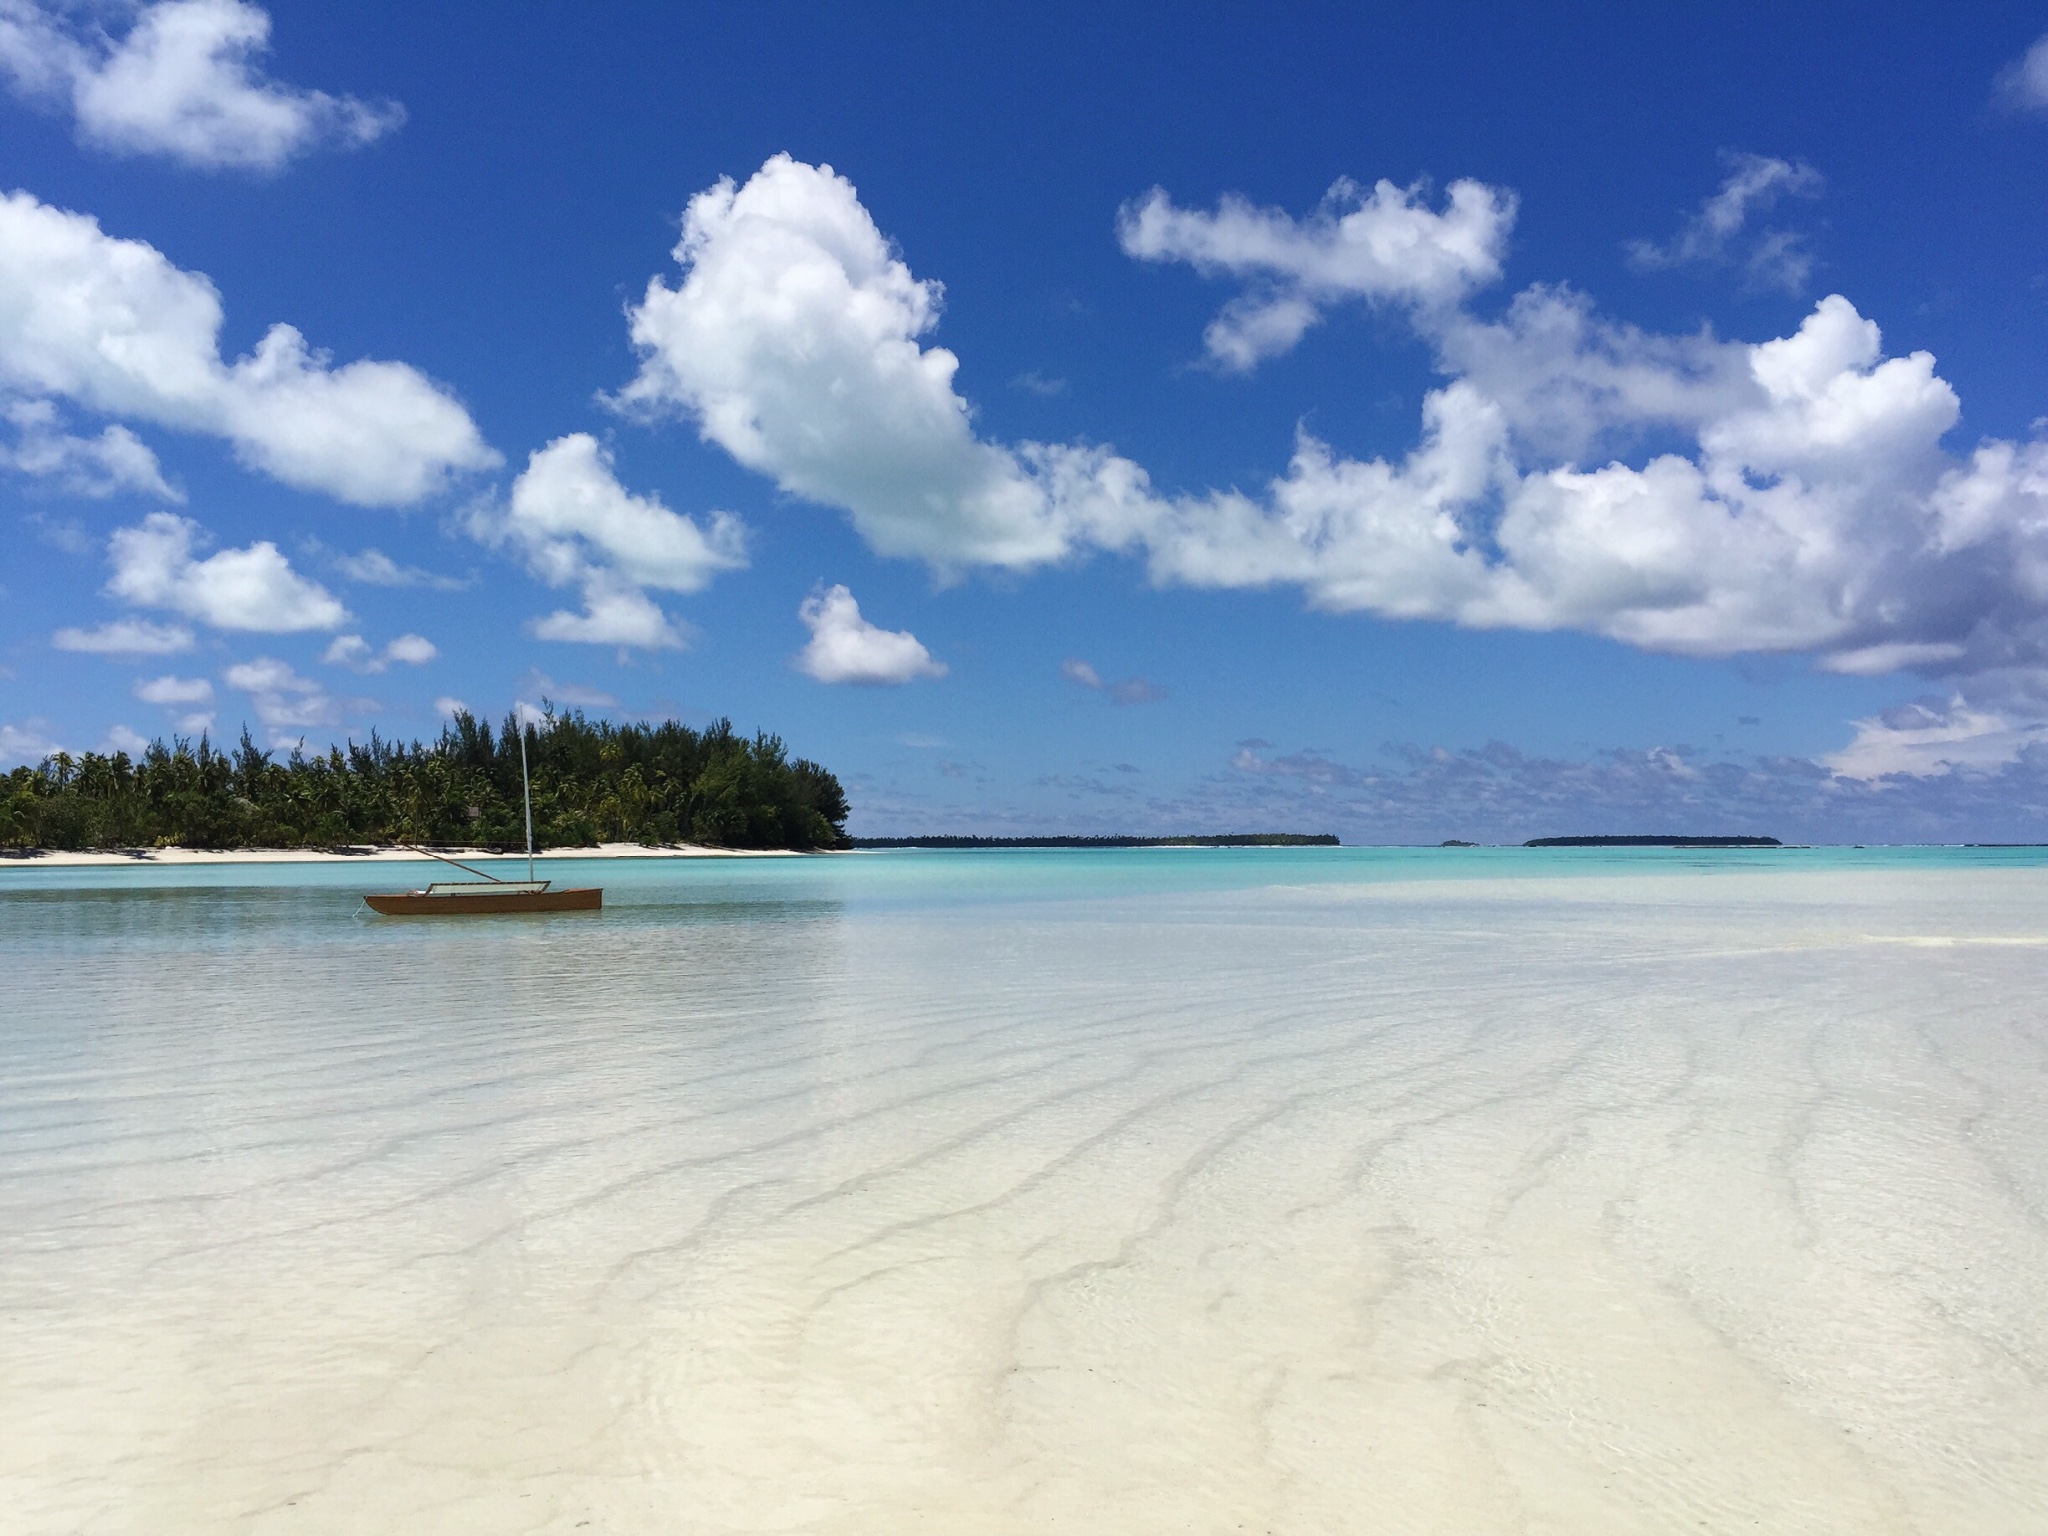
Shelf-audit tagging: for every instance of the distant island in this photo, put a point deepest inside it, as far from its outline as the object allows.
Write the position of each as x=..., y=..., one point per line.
x=1227, y=840
x=593, y=782
x=1653, y=842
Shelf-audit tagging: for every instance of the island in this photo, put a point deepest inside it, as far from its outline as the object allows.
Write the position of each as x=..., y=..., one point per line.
x=593, y=781
x=1653, y=842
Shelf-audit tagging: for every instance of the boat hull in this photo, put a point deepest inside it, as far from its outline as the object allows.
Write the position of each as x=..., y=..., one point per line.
x=420, y=904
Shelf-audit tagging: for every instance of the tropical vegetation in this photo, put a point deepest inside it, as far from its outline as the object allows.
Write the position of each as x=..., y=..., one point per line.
x=593, y=781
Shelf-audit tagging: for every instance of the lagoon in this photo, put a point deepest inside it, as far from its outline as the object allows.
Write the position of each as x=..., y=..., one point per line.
x=1295, y=1190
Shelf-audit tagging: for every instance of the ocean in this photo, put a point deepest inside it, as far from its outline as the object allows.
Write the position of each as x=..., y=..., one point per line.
x=1303, y=1190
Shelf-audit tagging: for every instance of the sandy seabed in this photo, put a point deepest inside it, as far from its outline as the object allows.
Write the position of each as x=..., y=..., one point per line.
x=1565, y=1206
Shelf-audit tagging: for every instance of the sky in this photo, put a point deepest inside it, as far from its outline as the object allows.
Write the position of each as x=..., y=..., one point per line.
x=1481, y=424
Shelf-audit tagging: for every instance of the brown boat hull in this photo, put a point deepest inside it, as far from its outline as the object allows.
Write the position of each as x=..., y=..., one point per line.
x=419, y=904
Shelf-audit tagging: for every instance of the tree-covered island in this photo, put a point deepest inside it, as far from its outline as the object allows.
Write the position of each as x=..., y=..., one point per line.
x=593, y=781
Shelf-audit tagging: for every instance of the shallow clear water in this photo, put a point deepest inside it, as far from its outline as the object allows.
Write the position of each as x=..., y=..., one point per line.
x=1317, y=1190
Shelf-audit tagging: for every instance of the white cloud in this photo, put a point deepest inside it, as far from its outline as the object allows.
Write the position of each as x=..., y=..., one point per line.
x=358, y=655
x=538, y=690
x=245, y=589
x=2023, y=84
x=1385, y=245
x=121, y=739
x=1686, y=493
x=181, y=83
x=125, y=637
x=1415, y=793
x=846, y=648
x=113, y=326
x=1038, y=384
x=614, y=613
x=792, y=342
x=1929, y=739
x=575, y=525
x=28, y=742
x=447, y=706
x=173, y=690
x=374, y=568
x=285, y=702
x=114, y=462
x=1132, y=690
x=1776, y=258
x=1895, y=656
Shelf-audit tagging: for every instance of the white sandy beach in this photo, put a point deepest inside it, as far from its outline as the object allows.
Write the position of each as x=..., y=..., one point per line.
x=46, y=858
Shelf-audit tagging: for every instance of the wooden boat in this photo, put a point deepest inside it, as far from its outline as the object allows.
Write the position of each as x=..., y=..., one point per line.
x=485, y=897
x=488, y=896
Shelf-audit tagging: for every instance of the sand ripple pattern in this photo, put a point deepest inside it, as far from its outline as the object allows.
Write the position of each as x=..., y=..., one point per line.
x=1564, y=1206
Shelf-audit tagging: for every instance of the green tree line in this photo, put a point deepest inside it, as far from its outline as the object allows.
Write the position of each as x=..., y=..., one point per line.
x=593, y=781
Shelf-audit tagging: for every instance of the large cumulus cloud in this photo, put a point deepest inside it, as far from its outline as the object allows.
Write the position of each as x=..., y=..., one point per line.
x=1812, y=506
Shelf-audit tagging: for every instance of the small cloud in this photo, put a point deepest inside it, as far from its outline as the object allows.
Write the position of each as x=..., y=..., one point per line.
x=577, y=525
x=1776, y=259
x=65, y=533
x=1132, y=690
x=2022, y=86
x=114, y=462
x=374, y=568
x=184, y=82
x=1126, y=768
x=125, y=637
x=246, y=589
x=952, y=770
x=287, y=703
x=922, y=742
x=448, y=707
x=1747, y=720
x=1931, y=738
x=348, y=651
x=1876, y=660
x=1383, y=245
x=122, y=739
x=356, y=653
x=28, y=742
x=170, y=690
x=1038, y=384
x=539, y=686
x=846, y=648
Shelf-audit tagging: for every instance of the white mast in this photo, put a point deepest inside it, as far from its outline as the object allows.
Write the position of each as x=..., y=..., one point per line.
x=526, y=787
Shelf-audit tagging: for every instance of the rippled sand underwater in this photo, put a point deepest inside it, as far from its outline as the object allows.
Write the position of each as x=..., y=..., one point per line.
x=1313, y=1192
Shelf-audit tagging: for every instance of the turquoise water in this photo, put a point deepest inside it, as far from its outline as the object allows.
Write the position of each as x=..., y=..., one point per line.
x=1157, y=1190
x=918, y=876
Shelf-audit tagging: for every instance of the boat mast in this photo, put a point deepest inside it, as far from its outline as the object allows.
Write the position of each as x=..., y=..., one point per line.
x=526, y=788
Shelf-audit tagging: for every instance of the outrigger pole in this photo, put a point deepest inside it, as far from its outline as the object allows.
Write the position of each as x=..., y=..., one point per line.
x=415, y=848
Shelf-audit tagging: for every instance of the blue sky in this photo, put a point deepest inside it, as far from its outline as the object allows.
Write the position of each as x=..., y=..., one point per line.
x=1413, y=426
